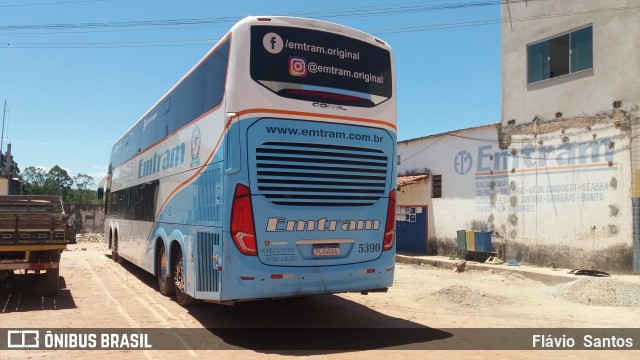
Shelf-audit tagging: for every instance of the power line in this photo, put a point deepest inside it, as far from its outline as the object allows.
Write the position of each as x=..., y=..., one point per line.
x=490, y=21
x=382, y=10
x=120, y=24
x=398, y=10
x=82, y=32
x=423, y=149
x=182, y=23
x=429, y=27
x=84, y=45
x=53, y=3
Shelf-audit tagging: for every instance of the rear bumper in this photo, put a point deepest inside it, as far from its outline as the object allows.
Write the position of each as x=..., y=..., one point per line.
x=263, y=281
x=43, y=247
x=30, y=257
x=29, y=266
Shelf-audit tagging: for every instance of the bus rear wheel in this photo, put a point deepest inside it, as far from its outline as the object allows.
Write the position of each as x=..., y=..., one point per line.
x=115, y=256
x=181, y=296
x=114, y=251
x=166, y=284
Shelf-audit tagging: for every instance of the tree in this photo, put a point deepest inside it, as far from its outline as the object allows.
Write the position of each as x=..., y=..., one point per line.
x=33, y=181
x=59, y=182
x=77, y=190
x=14, y=170
x=83, y=192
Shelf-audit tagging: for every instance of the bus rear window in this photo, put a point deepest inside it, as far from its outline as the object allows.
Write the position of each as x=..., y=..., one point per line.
x=320, y=66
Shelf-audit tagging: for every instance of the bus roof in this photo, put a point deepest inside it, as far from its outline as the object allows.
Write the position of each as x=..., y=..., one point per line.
x=275, y=20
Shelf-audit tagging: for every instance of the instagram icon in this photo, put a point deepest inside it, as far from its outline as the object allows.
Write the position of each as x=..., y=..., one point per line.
x=297, y=66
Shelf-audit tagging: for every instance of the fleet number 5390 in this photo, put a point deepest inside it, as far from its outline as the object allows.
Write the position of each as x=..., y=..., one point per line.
x=370, y=247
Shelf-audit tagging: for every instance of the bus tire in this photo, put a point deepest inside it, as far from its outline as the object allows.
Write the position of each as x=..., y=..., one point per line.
x=114, y=249
x=182, y=297
x=51, y=281
x=166, y=285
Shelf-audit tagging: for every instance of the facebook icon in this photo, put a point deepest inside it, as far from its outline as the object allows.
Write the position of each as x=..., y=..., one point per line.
x=272, y=42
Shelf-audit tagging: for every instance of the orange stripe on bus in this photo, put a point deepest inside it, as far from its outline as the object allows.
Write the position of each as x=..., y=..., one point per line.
x=200, y=169
x=209, y=112
x=251, y=111
x=327, y=116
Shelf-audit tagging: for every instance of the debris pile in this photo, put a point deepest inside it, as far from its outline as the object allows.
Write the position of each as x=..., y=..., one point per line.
x=466, y=296
x=598, y=291
x=89, y=238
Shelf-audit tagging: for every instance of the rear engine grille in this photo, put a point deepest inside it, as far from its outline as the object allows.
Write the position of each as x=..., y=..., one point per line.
x=307, y=174
x=208, y=274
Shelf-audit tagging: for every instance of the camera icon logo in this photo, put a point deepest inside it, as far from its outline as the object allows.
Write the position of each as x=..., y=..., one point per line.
x=297, y=66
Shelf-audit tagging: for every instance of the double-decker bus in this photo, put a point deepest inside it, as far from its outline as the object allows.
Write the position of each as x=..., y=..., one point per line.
x=267, y=171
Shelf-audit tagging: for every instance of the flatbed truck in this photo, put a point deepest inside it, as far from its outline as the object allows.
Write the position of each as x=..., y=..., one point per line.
x=34, y=231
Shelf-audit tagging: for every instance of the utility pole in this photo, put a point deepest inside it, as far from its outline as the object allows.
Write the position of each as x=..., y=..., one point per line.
x=7, y=162
x=4, y=112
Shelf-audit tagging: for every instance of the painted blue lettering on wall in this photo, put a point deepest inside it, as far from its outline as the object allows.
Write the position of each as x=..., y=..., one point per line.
x=161, y=161
x=484, y=155
x=463, y=162
x=532, y=156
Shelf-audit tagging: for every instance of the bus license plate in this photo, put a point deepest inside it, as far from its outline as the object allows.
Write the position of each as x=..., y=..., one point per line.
x=326, y=250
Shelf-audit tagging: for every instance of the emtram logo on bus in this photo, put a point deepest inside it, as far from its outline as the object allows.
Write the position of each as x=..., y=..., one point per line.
x=161, y=160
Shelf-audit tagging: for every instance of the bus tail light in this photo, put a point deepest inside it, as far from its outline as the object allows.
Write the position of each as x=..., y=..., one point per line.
x=282, y=276
x=242, y=229
x=390, y=227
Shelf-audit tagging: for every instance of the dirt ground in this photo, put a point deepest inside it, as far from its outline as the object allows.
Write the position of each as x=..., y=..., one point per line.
x=98, y=293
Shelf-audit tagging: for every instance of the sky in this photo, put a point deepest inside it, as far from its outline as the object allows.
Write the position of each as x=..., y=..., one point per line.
x=76, y=74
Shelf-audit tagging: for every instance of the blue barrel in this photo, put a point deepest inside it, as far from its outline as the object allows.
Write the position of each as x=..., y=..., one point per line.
x=462, y=240
x=483, y=242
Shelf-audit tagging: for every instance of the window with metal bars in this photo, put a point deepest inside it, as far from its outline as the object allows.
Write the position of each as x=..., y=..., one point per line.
x=436, y=186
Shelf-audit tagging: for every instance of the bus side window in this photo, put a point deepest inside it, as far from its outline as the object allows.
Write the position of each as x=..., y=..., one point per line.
x=215, y=72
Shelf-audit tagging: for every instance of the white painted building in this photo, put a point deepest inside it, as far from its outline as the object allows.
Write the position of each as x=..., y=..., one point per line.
x=562, y=198
x=449, y=192
x=556, y=180
x=570, y=94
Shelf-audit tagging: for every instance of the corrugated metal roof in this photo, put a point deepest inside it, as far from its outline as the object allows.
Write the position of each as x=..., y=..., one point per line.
x=449, y=132
x=408, y=180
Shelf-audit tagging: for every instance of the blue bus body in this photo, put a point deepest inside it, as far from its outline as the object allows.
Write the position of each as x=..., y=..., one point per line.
x=229, y=190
